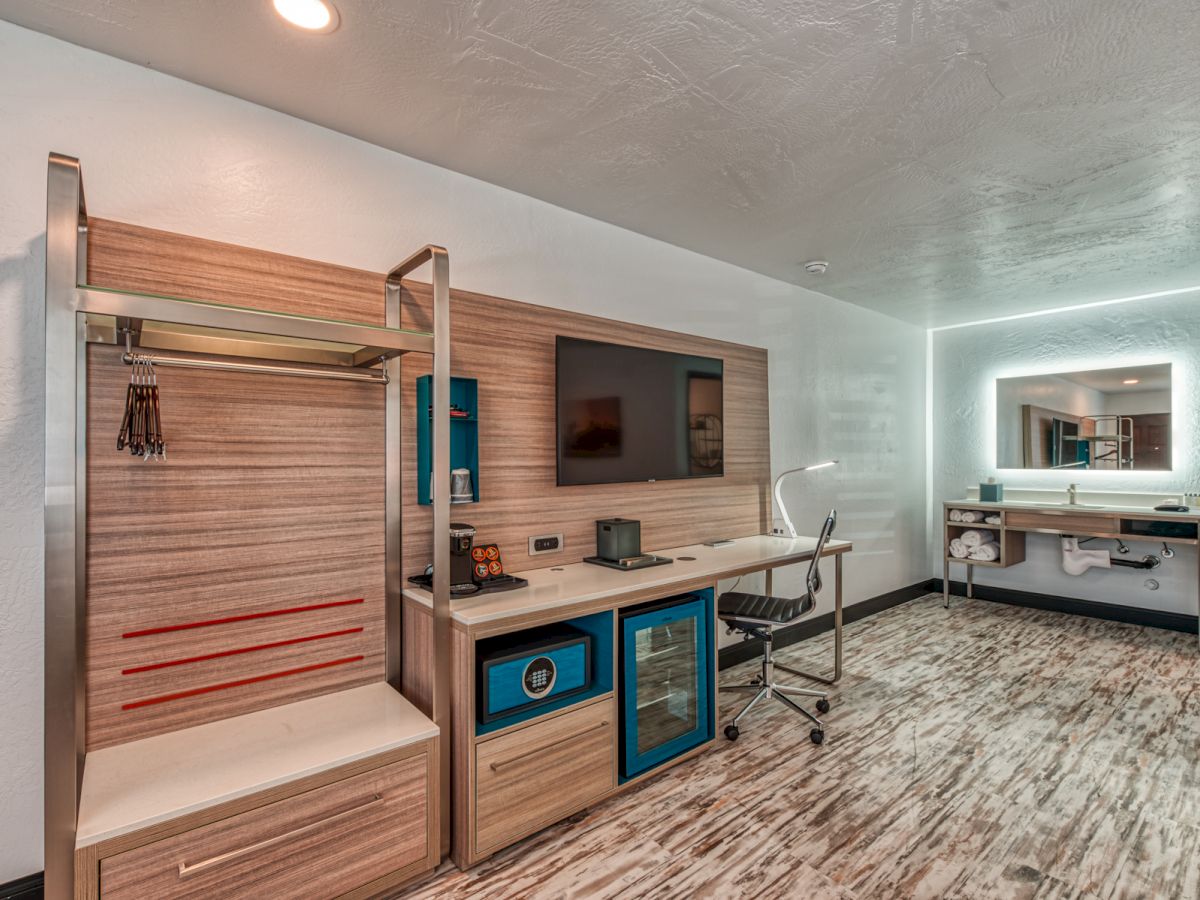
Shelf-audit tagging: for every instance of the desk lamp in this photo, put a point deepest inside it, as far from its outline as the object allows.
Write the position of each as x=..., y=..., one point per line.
x=791, y=529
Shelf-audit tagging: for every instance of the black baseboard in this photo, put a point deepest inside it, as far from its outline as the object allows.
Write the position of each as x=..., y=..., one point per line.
x=752, y=649
x=27, y=888
x=1112, y=612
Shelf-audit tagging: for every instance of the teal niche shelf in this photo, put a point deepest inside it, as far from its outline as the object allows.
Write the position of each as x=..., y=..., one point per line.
x=464, y=434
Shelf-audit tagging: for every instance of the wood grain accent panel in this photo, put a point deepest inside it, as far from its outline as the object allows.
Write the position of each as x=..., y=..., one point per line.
x=416, y=660
x=133, y=258
x=296, y=517
x=271, y=498
x=1012, y=547
x=462, y=750
x=315, y=844
x=1061, y=522
x=529, y=778
x=509, y=347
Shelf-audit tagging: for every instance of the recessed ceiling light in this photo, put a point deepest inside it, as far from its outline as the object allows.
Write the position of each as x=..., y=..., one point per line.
x=1130, y=381
x=318, y=16
x=816, y=267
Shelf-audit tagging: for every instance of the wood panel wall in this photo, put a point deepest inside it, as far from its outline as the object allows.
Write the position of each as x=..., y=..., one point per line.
x=269, y=506
x=509, y=347
x=271, y=500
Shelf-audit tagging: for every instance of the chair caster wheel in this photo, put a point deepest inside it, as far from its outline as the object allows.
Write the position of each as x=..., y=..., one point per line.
x=731, y=732
x=822, y=705
x=817, y=736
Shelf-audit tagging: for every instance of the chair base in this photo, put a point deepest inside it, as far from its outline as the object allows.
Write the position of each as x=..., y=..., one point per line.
x=765, y=685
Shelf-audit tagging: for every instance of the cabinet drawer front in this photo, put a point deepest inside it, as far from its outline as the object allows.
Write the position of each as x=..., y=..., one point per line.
x=321, y=843
x=531, y=777
x=1065, y=522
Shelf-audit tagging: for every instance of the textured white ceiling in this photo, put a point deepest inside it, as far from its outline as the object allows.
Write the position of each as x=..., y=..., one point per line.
x=952, y=159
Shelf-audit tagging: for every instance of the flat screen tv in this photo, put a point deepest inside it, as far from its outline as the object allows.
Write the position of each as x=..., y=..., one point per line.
x=632, y=414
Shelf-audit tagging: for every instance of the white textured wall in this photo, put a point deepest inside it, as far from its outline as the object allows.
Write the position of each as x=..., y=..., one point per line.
x=157, y=151
x=966, y=363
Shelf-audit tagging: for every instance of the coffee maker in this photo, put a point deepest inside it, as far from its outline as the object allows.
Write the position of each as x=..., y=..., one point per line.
x=462, y=537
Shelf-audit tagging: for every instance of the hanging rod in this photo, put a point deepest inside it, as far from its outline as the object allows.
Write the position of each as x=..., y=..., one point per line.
x=344, y=373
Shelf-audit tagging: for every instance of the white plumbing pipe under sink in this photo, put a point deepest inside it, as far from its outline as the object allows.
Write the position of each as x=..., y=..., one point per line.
x=1076, y=561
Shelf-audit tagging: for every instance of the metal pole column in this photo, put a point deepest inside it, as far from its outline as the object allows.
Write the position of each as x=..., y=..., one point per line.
x=65, y=520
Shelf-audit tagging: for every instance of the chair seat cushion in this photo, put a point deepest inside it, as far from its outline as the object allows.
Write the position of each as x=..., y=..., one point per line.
x=734, y=606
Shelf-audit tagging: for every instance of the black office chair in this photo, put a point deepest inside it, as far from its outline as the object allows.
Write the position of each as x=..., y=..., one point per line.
x=757, y=616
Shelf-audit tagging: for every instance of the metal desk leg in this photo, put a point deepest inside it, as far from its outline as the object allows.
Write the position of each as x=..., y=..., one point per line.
x=837, y=632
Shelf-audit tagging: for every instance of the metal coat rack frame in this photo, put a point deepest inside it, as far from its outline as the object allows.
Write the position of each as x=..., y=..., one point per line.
x=178, y=331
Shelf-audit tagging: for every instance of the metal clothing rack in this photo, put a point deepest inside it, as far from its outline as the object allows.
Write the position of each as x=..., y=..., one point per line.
x=178, y=331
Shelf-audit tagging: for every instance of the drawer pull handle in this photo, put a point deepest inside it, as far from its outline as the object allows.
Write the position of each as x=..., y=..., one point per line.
x=186, y=870
x=497, y=766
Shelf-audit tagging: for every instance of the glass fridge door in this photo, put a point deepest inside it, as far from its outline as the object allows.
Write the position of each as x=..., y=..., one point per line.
x=667, y=692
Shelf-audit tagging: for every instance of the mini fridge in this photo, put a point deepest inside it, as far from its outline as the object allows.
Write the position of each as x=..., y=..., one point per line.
x=668, y=680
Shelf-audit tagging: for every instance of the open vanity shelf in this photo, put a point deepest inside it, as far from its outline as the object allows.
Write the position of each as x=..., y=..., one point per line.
x=1019, y=519
x=230, y=722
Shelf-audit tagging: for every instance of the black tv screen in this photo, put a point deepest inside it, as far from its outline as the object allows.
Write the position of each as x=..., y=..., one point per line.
x=631, y=414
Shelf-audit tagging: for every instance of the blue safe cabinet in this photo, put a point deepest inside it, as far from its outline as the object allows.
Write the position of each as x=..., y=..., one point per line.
x=668, y=680
x=526, y=674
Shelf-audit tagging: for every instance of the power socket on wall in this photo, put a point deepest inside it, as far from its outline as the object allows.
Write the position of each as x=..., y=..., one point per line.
x=545, y=543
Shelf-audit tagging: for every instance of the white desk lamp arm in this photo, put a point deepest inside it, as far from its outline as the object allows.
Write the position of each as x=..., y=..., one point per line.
x=791, y=529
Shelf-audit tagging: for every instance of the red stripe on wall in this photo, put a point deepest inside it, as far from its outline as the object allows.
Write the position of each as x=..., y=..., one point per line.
x=226, y=685
x=207, y=656
x=164, y=629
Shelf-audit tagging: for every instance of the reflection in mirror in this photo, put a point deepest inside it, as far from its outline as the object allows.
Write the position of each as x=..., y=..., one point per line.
x=1106, y=419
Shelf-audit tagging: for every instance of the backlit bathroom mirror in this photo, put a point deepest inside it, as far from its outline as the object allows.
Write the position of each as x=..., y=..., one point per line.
x=1106, y=419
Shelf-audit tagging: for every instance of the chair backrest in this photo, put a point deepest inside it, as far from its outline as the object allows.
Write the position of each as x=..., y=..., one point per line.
x=813, y=579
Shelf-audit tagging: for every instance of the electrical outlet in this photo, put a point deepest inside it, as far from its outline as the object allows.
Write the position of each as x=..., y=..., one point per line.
x=545, y=543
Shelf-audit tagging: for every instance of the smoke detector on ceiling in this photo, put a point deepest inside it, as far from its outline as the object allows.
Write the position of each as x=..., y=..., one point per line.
x=816, y=267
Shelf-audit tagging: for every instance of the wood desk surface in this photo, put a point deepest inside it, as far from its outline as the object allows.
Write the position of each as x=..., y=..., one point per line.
x=582, y=582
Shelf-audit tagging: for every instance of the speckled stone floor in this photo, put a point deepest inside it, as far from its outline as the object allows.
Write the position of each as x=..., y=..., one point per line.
x=985, y=752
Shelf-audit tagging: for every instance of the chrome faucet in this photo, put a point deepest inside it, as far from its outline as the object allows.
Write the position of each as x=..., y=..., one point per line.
x=1073, y=495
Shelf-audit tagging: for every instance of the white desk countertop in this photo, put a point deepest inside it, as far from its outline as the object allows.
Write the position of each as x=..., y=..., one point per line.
x=134, y=785
x=580, y=582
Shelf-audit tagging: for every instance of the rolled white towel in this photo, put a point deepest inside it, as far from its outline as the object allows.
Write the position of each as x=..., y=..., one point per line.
x=972, y=515
x=986, y=552
x=974, y=537
x=958, y=549
x=956, y=515
x=991, y=520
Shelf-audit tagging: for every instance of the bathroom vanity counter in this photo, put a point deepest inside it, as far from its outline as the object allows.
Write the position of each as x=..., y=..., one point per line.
x=1134, y=512
x=1017, y=518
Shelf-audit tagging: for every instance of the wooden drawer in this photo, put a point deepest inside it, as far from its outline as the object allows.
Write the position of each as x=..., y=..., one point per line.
x=529, y=778
x=1065, y=522
x=321, y=843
